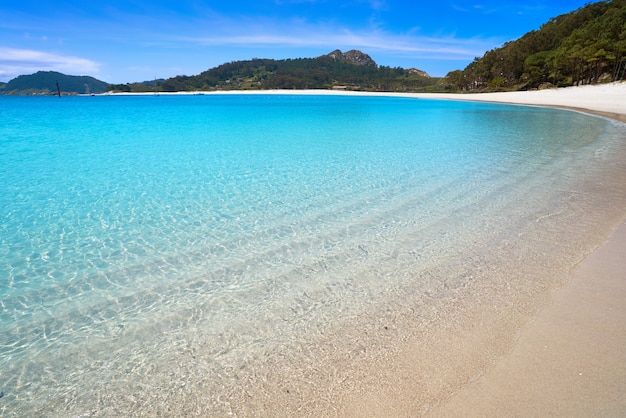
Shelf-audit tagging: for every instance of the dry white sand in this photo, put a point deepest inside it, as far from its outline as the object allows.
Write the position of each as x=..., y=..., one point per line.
x=609, y=99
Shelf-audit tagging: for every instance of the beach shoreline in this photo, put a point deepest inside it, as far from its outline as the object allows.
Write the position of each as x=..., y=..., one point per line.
x=560, y=357
x=568, y=359
x=606, y=100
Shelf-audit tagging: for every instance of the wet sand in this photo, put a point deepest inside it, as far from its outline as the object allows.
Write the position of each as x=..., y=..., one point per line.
x=570, y=360
x=566, y=359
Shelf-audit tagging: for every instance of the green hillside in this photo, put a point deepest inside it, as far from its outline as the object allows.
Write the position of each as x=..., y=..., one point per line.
x=352, y=70
x=585, y=46
x=45, y=82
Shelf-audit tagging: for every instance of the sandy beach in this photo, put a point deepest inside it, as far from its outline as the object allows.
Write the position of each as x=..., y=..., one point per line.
x=565, y=359
x=569, y=358
x=606, y=99
x=561, y=354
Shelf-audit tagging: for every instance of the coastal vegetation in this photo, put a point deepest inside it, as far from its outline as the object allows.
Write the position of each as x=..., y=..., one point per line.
x=585, y=46
x=352, y=70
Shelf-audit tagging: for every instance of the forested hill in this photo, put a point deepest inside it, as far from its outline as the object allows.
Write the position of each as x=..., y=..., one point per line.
x=353, y=70
x=45, y=82
x=585, y=46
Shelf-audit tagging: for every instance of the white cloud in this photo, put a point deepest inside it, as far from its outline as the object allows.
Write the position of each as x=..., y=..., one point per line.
x=14, y=62
x=264, y=33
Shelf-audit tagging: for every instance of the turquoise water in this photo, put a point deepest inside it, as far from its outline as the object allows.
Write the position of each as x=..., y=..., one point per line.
x=158, y=242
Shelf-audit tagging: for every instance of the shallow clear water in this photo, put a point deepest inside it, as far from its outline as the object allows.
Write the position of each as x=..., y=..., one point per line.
x=154, y=241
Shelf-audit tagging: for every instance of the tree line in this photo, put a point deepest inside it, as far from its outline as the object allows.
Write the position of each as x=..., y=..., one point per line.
x=585, y=46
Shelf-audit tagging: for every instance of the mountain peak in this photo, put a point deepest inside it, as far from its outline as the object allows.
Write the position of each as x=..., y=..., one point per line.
x=418, y=72
x=354, y=56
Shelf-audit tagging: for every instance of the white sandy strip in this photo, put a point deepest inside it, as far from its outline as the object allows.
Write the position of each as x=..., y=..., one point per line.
x=607, y=98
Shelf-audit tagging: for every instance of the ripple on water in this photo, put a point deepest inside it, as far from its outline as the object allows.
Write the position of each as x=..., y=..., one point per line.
x=211, y=256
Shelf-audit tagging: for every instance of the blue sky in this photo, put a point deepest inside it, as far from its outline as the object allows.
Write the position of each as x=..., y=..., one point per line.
x=137, y=40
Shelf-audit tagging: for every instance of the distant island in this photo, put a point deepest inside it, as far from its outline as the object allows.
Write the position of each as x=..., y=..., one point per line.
x=52, y=82
x=585, y=46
